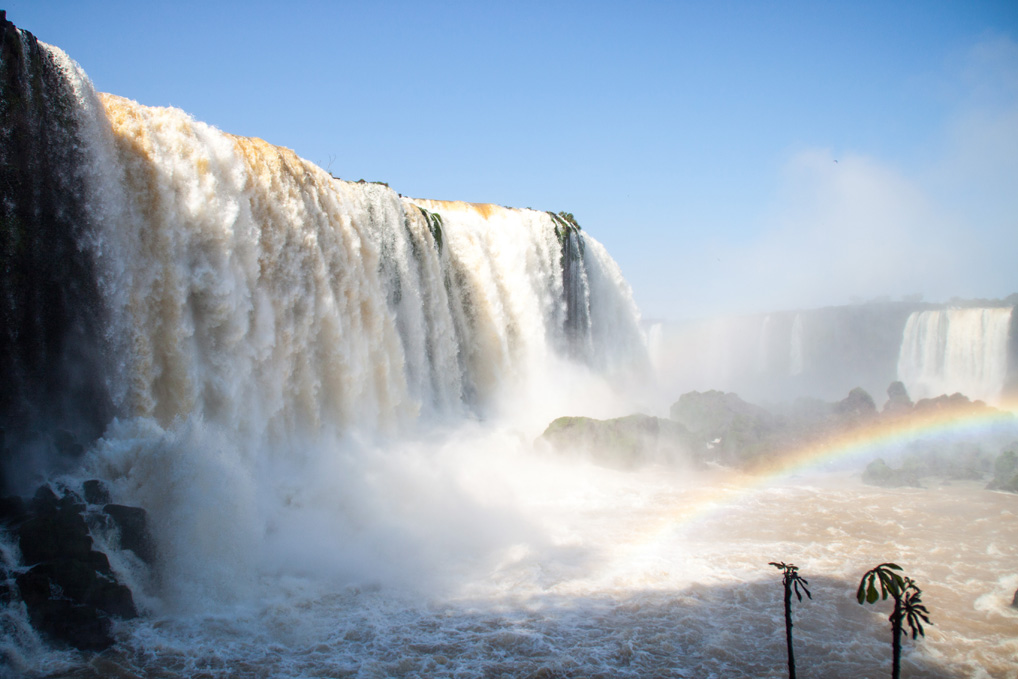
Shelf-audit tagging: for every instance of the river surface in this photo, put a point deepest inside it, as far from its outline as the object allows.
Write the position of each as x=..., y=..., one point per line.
x=598, y=573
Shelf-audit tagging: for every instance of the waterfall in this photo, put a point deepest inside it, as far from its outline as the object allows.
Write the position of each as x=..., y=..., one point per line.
x=955, y=350
x=795, y=352
x=248, y=347
x=248, y=285
x=766, y=339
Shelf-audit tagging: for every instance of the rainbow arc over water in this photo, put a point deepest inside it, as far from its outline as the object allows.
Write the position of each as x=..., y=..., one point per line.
x=890, y=433
x=849, y=447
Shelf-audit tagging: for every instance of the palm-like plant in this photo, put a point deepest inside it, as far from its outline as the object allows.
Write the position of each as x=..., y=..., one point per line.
x=908, y=605
x=792, y=581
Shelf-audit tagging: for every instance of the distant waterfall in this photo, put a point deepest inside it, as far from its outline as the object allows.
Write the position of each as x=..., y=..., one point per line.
x=795, y=359
x=955, y=350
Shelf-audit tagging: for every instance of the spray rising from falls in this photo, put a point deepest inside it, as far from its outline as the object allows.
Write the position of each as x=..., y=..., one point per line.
x=246, y=286
x=314, y=388
x=246, y=332
x=956, y=350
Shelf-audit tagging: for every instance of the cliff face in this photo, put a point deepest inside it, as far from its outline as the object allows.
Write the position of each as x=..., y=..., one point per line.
x=53, y=398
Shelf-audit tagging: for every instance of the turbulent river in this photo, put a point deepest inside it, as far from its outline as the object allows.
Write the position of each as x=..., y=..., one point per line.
x=527, y=566
x=325, y=395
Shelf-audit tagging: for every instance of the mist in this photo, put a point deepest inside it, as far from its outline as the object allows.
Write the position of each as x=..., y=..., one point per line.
x=376, y=435
x=832, y=226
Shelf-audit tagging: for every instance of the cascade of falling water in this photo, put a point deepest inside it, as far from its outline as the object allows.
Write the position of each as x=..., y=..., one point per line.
x=262, y=321
x=795, y=358
x=955, y=350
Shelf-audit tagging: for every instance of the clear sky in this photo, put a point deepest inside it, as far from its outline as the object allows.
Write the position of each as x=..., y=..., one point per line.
x=732, y=156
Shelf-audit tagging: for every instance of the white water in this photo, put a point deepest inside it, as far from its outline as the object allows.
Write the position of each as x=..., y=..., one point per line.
x=596, y=573
x=795, y=358
x=329, y=419
x=955, y=350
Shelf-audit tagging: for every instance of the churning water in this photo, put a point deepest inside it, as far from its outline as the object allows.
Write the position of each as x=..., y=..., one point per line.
x=325, y=395
x=515, y=565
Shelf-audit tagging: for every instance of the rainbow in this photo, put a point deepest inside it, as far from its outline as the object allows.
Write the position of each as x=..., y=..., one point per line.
x=887, y=433
x=861, y=443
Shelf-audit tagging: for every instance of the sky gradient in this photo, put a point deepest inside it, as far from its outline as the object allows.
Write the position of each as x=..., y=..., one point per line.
x=732, y=156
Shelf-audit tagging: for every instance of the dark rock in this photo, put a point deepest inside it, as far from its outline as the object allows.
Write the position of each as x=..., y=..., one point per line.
x=858, y=405
x=1014, y=602
x=12, y=510
x=622, y=443
x=954, y=403
x=54, y=355
x=132, y=523
x=55, y=534
x=6, y=588
x=79, y=581
x=67, y=623
x=735, y=430
x=70, y=590
x=66, y=444
x=878, y=473
x=1005, y=470
x=44, y=501
x=96, y=492
x=898, y=400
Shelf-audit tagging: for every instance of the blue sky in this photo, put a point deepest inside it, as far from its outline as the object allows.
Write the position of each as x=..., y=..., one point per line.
x=732, y=156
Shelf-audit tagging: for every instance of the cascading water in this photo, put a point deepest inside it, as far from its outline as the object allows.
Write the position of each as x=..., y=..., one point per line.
x=258, y=283
x=247, y=286
x=795, y=358
x=265, y=333
x=325, y=396
x=956, y=350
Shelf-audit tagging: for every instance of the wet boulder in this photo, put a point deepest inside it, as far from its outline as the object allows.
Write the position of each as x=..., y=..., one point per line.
x=898, y=401
x=857, y=406
x=69, y=589
x=732, y=429
x=12, y=510
x=879, y=473
x=622, y=443
x=96, y=492
x=89, y=582
x=132, y=524
x=55, y=529
x=1005, y=470
x=7, y=590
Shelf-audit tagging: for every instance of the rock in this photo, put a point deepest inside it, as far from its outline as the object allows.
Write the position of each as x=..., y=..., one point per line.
x=878, y=473
x=55, y=533
x=621, y=443
x=733, y=429
x=66, y=444
x=858, y=405
x=80, y=581
x=1005, y=470
x=898, y=400
x=96, y=492
x=12, y=510
x=6, y=589
x=70, y=590
x=1014, y=602
x=956, y=402
x=67, y=623
x=44, y=501
x=132, y=523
